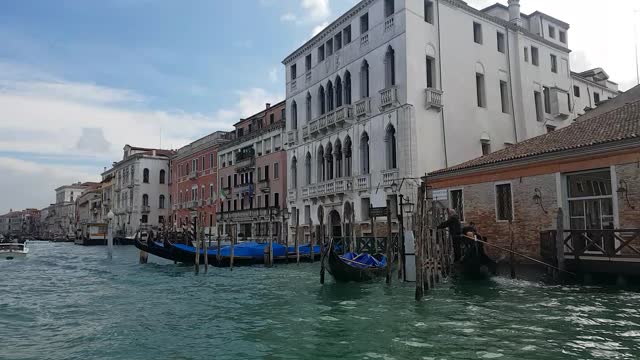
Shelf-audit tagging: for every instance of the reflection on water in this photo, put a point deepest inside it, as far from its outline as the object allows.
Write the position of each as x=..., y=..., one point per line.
x=70, y=302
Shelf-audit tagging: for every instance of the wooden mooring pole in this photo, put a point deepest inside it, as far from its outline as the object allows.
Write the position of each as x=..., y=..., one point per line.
x=196, y=237
x=205, y=247
x=418, y=230
x=297, y=242
x=233, y=240
x=311, y=240
x=389, y=244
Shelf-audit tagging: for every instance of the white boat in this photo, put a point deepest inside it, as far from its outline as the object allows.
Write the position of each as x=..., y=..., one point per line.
x=10, y=251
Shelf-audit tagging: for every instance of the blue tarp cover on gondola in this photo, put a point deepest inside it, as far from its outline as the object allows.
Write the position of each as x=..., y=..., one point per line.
x=363, y=260
x=250, y=249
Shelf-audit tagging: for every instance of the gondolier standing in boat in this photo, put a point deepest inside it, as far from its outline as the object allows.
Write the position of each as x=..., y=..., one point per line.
x=455, y=231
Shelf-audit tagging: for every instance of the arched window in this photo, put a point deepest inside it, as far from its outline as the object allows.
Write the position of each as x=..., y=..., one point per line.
x=320, y=175
x=390, y=141
x=294, y=173
x=347, y=157
x=161, y=202
x=329, y=161
x=390, y=67
x=145, y=200
x=294, y=115
x=162, y=176
x=364, y=153
x=307, y=169
x=322, y=100
x=364, y=80
x=145, y=176
x=338, y=92
x=338, y=157
x=347, y=88
x=308, y=109
x=329, y=96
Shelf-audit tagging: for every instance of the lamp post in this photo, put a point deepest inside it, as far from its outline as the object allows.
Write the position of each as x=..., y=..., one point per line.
x=110, y=217
x=405, y=206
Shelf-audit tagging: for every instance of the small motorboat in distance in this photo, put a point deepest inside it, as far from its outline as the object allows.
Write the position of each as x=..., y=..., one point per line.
x=11, y=251
x=356, y=267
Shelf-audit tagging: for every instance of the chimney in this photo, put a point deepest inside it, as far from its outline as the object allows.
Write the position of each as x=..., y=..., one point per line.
x=514, y=12
x=268, y=105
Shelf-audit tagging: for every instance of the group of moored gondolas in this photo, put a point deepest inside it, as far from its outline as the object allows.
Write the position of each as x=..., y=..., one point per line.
x=244, y=253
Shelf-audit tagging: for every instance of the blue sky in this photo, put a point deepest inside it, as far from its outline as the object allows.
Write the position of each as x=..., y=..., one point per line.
x=80, y=79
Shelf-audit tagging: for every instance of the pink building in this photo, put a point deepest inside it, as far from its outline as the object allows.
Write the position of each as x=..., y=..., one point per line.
x=193, y=182
x=252, y=171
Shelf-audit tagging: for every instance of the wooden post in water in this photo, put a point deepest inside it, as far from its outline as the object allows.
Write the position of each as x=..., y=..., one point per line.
x=196, y=237
x=218, y=256
x=233, y=240
x=311, y=239
x=511, y=258
x=322, y=249
x=559, y=244
x=373, y=230
x=352, y=244
x=420, y=204
x=205, y=247
x=285, y=237
x=297, y=243
x=270, y=234
x=389, y=244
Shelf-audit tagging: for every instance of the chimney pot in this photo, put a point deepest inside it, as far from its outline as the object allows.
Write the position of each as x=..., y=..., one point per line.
x=514, y=12
x=268, y=105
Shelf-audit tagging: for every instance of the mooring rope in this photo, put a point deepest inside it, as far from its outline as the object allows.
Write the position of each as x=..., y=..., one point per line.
x=519, y=254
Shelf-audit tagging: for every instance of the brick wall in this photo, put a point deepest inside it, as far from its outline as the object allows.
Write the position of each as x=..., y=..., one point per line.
x=629, y=218
x=529, y=218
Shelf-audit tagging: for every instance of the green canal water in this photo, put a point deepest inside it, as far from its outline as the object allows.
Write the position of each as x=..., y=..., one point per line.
x=70, y=302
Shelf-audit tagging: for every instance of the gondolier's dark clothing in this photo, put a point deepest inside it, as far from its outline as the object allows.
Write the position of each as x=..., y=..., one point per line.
x=455, y=231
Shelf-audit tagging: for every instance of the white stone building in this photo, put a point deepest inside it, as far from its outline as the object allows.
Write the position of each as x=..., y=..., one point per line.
x=139, y=193
x=394, y=89
x=60, y=218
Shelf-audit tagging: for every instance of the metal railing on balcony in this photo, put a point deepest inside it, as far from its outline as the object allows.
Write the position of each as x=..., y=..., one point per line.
x=363, y=107
x=389, y=176
x=433, y=98
x=388, y=96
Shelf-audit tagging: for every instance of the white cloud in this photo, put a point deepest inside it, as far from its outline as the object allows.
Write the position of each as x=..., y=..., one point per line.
x=273, y=74
x=30, y=184
x=316, y=29
x=288, y=17
x=57, y=120
x=317, y=9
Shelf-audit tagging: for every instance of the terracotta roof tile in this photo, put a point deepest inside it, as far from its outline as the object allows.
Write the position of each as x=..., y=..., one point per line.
x=619, y=120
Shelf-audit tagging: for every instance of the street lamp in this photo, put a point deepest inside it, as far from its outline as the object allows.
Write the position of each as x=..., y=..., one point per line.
x=110, y=217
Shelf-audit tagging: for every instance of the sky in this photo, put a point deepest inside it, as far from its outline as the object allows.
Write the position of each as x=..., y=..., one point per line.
x=80, y=79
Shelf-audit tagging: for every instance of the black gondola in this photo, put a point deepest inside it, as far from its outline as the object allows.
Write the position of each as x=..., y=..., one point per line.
x=155, y=248
x=344, y=269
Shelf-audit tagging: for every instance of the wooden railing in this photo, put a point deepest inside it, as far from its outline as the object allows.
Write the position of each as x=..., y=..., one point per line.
x=611, y=243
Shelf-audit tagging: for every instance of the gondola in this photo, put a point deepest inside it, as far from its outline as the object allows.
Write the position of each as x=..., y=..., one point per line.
x=154, y=248
x=356, y=267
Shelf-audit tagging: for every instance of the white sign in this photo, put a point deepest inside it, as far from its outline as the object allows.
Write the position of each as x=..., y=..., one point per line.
x=439, y=194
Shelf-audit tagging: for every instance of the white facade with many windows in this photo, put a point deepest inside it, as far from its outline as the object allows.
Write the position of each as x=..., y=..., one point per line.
x=139, y=190
x=394, y=89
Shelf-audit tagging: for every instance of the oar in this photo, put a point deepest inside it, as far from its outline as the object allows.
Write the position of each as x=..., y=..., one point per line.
x=517, y=253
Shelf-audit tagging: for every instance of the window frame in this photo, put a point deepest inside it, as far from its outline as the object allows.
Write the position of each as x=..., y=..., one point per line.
x=477, y=33
x=535, y=56
x=428, y=11
x=500, y=42
x=495, y=197
x=460, y=214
